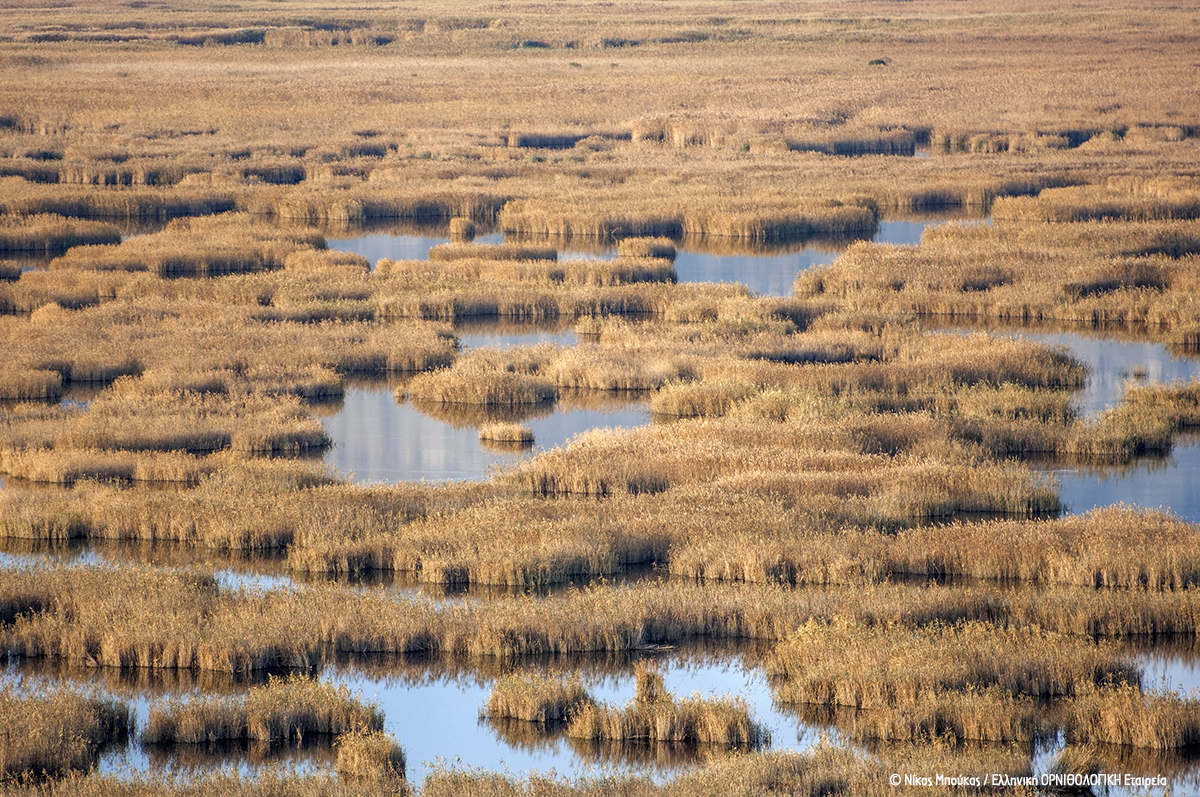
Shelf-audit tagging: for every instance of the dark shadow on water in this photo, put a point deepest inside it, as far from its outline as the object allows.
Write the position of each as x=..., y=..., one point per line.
x=316, y=751
x=406, y=584
x=551, y=738
x=234, y=569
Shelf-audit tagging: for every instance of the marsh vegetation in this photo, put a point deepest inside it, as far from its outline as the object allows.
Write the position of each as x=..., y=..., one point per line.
x=825, y=472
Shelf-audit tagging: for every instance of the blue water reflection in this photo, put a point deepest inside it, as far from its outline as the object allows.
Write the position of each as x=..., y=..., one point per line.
x=380, y=440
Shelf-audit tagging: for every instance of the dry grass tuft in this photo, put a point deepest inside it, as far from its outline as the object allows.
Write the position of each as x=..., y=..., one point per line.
x=511, y=433
x=869, y=668
x=1127, y=716
x=51, y=234
x=533, y=698
x=370, y=758
x=49, y=733
x=656, y=716
x=278, y=711
x=646, y=247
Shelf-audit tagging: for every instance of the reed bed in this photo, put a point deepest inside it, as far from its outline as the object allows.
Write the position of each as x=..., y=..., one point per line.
x=989, y=715
x=1123, y=715
x=367, y=757
x=50, y=732
x=663, y=248
x=202, y=247
x=847, y=664
x=770, y=218
x=276, y=712
x=512, y=433
x=820, y=452
x=1155, y=552
x=655, y=715
x=517, y=252
x=703, y=451
x=184, y=622
x=533, y=698
x=26, y=199
x=545, y=271
x=974, y=681
x=499, y=540
x=52, y=234
x=1097, y=273
x=1137, y=200
x=119, y=420
x=240, y=504
x=70, y=466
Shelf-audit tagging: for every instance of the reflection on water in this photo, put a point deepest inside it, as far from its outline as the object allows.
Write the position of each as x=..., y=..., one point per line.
x=1171, y=667
x=1168, y=483
x=379, y=440
x=1113, y=356
x=432, y=709
x=433, y=712
x=473, y=333
x=1115, y=362
x=399, y=247
x=1152, y=482
x=765, y=268
x=437, y=717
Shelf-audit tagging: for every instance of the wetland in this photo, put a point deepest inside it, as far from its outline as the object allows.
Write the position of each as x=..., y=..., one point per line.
x=655, y=401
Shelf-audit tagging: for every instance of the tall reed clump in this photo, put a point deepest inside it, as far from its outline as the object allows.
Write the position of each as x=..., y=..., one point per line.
x=655, y=715
x=52, y=731
x=534, y=698
x=506, y=434
x=646, y=247
x=1124, y=715
x=183, y=621
x=279, y=711
x=491, y=377
x=976, y=681
x=370, y=758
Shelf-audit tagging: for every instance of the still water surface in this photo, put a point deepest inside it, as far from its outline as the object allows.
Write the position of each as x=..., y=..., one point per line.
x=769, y=272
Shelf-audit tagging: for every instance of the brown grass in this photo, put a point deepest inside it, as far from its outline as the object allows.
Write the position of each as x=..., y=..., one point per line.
x=868, y=668
x=370, y=757
x=276, y=712
x=453, y=251
x=52, y=234
x=511, y=433
x=823, y=442
x=202, y=247
x=1110, y=273
x=534, y=698
x=183, y=622
x=1126, y=716
x=53, y=731
x=655, y=715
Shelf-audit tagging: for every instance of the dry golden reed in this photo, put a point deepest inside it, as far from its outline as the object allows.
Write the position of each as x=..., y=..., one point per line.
x=534, y=698
x=655, y=715
x=277, y=712
x=370, y=757
x=53, y=731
